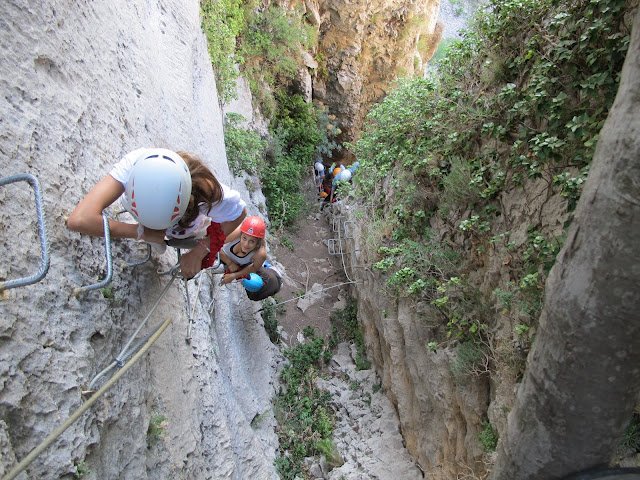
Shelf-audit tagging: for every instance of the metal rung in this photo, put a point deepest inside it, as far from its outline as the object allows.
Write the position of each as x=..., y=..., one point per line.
x=348, y=229
x=335, y=223
x=332, y=243
x=107, y=252
x=44, y=253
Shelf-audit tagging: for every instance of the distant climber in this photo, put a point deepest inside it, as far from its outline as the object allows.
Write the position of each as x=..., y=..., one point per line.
x=170, y=194
x=245, y=257
x=318, y=169
x=332, y=179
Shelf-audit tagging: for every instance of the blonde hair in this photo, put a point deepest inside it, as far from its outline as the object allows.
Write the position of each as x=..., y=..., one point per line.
x=205, y=188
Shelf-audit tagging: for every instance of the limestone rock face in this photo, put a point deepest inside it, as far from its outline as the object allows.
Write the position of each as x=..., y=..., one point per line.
x=363, y=47
x=439, y=418
x=81, y=86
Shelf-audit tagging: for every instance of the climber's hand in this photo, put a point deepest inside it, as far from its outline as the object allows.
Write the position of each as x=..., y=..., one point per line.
x=191, y=262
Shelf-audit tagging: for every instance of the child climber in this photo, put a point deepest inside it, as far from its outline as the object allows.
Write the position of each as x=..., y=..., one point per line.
x=245, y=257
x=169, y=194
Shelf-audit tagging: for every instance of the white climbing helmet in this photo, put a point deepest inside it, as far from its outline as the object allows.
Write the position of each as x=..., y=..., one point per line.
x=158, y=190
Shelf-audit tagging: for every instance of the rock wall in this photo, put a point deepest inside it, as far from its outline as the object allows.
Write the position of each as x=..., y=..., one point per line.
x=364, y=46
x=83, y=83
x=440, y=418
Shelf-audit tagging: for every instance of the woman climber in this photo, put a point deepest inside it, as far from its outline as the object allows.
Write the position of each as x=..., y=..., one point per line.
x=170, y=194
x=245, y=255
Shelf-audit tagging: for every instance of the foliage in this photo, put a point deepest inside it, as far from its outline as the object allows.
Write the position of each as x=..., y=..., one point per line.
x=463, y=307
x=108, y=293
x=222, y=22
x=271, y=44
x=82, y=469
x=345, y=326
x=305, y=419
x=268, y=315
x=156, y=429
x=245, y=148
x=521, y=97
x=631, y=436
x=264, y=42
x=471, y=359
x=296, y=137
x=488, y=437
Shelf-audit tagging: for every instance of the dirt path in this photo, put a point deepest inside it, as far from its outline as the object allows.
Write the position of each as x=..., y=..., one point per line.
x=303, y=252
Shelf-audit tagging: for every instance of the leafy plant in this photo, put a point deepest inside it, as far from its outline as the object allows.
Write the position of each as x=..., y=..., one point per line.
x=295, y=139
x=156, y=429
x=270, y=320
x=471, y=359
x=108, y=292
x=631, y=436
x=345, y=326
x=245, y=148
x=82, y=469
x=222, y=22
x=488, y=437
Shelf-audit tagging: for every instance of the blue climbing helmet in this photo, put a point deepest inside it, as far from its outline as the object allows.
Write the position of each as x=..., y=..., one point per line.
x=254, y=283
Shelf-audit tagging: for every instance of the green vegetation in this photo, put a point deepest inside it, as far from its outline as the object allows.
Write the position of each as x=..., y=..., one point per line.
x=305, y=419
x=156, y=429
x=516, y=106
x=269, y=311
x=222, y=22
x=471, y=359
x=488, y=437
x=631, y=436
x=297, y=137
x=245, y=148
x=263, y=42
x=108, y=293
x=345, y=326
x=270, y=45
x=82, y=469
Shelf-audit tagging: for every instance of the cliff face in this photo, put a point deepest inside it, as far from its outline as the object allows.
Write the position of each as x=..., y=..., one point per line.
x=440, y=417
x=81, y=86
x=363, y=47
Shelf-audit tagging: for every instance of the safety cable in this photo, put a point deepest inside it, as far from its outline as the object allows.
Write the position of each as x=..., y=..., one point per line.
x=24, y=463
x=304, y=295
x=344, y=266
x=124, y=353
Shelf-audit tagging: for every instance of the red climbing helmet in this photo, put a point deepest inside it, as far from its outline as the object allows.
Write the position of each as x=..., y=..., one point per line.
x=253, y=226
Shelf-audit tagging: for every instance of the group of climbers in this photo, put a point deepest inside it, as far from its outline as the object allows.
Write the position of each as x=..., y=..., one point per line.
x=173, y=195
x=328, y=179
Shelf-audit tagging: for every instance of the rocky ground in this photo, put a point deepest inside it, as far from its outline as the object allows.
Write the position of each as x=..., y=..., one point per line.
x=367, y=432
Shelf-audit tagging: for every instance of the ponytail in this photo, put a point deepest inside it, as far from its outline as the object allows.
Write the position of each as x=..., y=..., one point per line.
x=205, y=188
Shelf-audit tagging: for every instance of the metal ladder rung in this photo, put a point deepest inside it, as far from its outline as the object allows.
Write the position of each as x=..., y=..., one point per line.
x=42, y=234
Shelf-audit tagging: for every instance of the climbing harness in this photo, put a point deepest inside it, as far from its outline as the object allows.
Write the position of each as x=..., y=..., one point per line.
x=42, y=234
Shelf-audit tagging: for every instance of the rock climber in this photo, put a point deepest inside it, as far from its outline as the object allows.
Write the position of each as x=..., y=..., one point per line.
x=318, y=168
x=245, y=255
x=170, y=194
